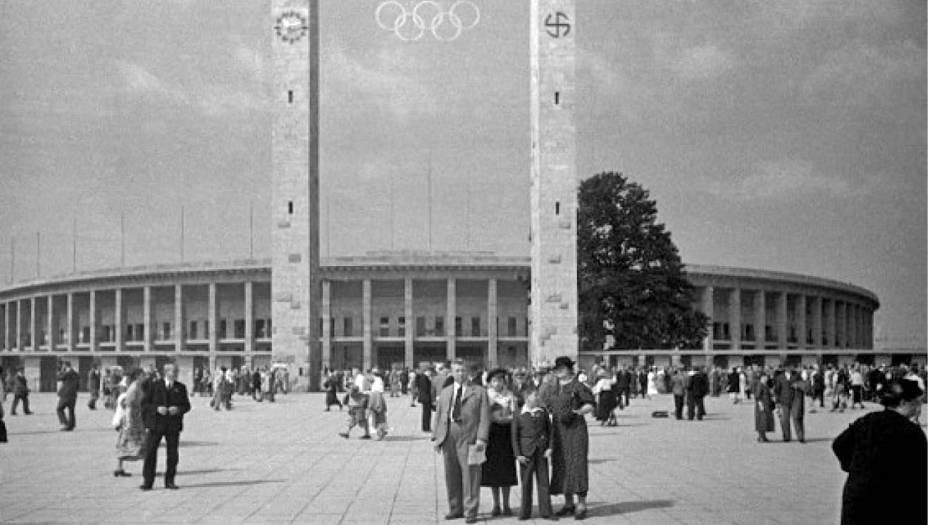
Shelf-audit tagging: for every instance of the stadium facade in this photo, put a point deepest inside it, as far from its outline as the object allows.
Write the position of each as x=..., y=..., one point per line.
x=387, y=309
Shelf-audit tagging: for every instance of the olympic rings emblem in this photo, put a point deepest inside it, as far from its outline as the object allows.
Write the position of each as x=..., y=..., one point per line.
x=410, y=25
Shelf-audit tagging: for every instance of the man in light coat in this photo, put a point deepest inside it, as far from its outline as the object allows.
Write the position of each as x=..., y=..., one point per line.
x=463, y=421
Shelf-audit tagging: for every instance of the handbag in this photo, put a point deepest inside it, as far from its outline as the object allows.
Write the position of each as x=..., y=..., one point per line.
x=120, y=414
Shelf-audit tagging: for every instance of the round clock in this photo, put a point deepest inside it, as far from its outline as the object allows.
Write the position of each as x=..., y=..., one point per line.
x=291, y=26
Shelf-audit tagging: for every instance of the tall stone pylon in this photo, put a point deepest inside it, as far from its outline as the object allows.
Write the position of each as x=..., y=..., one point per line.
x=553, y=312
x=295, y=290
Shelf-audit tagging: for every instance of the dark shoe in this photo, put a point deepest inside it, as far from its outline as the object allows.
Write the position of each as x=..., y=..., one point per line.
x=523, y=518
x=507, y=511
x=470, y=519
x=453, y=516
x=343, y=434
x=802, y=440
x=786, y=441
x=550, y=518
x=495, y=511
x=171, y=486
x=145, y=487
x=366, y=436
x=121, y=473
x=565, y=511
x=28, y=413
x=580, y=514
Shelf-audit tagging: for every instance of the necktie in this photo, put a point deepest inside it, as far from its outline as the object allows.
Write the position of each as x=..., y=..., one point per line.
x=456, y=411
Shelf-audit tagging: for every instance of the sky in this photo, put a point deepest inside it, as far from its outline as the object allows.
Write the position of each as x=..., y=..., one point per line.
x=786, y=136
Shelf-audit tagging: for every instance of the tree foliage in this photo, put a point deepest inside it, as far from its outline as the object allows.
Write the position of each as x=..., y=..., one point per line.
x=632, y=284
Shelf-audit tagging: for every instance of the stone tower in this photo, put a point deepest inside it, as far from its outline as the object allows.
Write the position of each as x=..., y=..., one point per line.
x=553, y=312
x=295, y=287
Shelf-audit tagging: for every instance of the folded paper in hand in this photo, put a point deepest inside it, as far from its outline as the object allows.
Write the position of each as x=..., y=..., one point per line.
x=476, y=455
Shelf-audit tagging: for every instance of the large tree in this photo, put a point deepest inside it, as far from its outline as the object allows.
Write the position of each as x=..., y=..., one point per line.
x=632, y=282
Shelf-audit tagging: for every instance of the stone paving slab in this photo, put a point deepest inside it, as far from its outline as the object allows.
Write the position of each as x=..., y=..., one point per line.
x=284, y=463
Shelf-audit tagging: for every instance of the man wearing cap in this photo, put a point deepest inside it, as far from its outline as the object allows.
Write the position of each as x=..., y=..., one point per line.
x=463, y=421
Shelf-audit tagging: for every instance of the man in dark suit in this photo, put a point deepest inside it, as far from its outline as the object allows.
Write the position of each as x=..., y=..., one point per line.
x=643, y=382
x=68, y=382
x=697, y=386
x=20, y=392
x=789, y=395
x=424, y=389
x=678, y=387
x=163, y=407
x=463, y=421
x=532, y=438
x=623, y=386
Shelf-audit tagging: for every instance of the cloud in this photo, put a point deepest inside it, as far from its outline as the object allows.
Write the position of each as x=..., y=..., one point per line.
x=702, y=62
x=780, y=179
x=138, y=80
x=868, y=76
x=210, y=98
x=388, y=84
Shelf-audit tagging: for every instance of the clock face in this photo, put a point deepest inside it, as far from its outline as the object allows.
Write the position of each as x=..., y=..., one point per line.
x=291, y=26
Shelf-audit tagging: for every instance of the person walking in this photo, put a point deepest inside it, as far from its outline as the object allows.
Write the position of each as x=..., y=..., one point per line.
x=678, y=388
x=734, y=386
x=873, y=450
x=462, y=430
x=163, y=408
x=424, y=395
x=697, y=386
x=857, y=387
x=605, y=393
x=789, y=394
x=68, y=382
x=499, y=470
x=20, y=392
x=532, y=438
x=330, y=385
x=93, y=386
x=569, y=403
x=131, y=441
x=763, y=407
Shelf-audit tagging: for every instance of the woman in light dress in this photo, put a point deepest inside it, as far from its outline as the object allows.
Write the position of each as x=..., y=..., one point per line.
x=130, y=444
x=652, y=383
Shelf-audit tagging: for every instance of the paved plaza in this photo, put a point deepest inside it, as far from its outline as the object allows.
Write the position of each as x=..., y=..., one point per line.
x=284, y=462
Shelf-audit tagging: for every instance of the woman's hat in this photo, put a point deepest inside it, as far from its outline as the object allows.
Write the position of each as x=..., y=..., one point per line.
x=497, y=372
x=564, y=362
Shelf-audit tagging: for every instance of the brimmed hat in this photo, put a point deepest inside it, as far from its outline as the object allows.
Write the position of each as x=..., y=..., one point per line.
x=520, y=373
x=497, y=372
x=563, y=361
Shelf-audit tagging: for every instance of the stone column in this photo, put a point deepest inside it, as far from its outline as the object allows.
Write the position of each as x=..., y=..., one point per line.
x=760, y=319
x=817, y=322
x=250, y=321
x=326, y=314
x=842, y=323
x=19, y=326
x=450, y=313
x=33, y=325
x=368, y=344
x=212, y=315
x=408, y=341
x=831, y=324
x=69, y=328
x=492, y=326
x=708, y=308
x=734, y=317
x=782, y=331
x=801, y=320
x=50, y=323
x=148, y=337
x=118, y=328
x=179, y=337
x=7, y=339
x=92, y=320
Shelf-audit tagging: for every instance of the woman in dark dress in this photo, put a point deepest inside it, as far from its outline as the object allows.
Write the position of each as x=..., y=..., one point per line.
x=607, y=400
x=499, y=470
x=884, y=455
x=763, y=407
x=569, y=402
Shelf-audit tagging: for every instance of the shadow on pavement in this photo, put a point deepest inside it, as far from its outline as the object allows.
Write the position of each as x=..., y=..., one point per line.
x=203, y=471
x=183, y=444
x=232, y=483
x=600, y=461
x=627, y=507
x=405, y=438
x=819, y=440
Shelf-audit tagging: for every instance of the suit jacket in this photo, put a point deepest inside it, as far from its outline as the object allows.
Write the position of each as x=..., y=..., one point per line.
x=532, y=432
x=20, y=385
x=69, y=384
x=475, y=414
x=424, y=387
x=623, y=380
x=678, y=384
x=700, y=384
x=157, y=395
x=784, y=391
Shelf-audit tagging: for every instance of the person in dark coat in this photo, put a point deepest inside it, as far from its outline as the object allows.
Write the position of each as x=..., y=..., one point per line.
x=424, y=389
x=789, y=395
x=532, y=437
x=20, y=392
x=678, y=387
x=93, y=386
x=68, y=382
x=331, y=392
x=499, y=470
x=734, y=386
x=569, y=401
x=623, y=382
x=697, y=386
x=876, y=451
x=163, y=407
x=763, y=407
x=818, y=387
x=643, y=382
